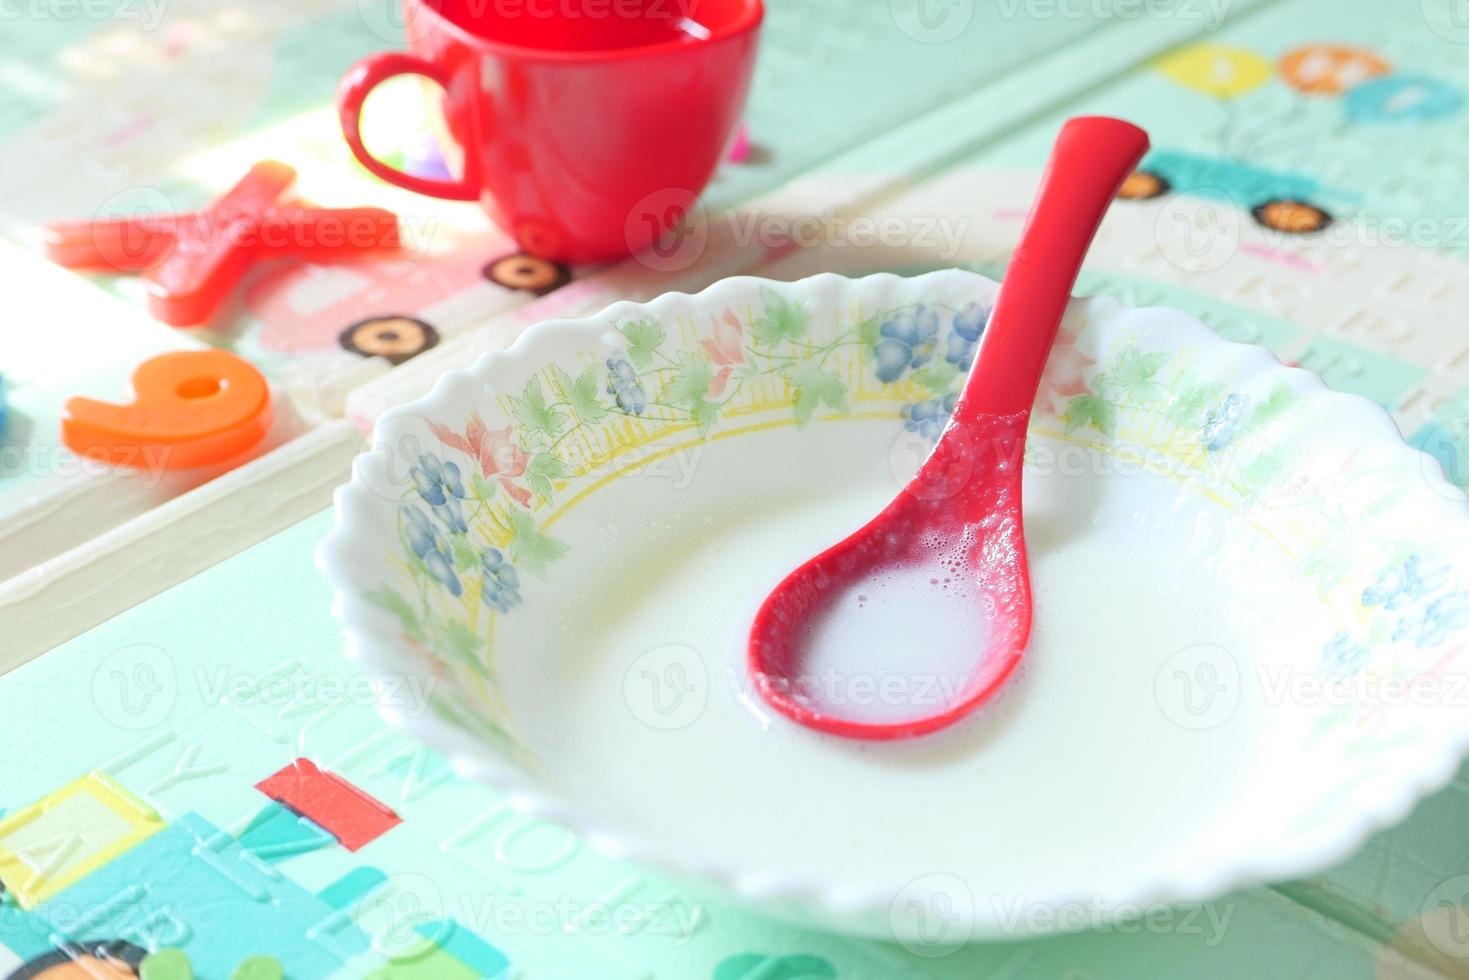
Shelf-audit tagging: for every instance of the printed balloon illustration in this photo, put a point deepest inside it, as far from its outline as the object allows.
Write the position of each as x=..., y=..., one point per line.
x=1403, y=99
x=1330, y=69
x=1219, y=70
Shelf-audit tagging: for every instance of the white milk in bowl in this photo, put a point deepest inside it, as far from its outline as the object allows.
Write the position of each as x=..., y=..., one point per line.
x=1115, y=750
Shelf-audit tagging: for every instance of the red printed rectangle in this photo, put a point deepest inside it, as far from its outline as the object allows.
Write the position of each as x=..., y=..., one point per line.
x=340, y=808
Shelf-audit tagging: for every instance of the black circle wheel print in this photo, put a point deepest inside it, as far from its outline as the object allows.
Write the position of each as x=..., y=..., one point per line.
x=528, y=272
x=394, y=337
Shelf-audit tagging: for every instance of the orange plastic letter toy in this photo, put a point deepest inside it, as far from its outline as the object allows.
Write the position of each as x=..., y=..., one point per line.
x=190, y=408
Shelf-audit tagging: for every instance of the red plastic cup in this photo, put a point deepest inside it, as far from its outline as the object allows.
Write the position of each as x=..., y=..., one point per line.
x=585, y=128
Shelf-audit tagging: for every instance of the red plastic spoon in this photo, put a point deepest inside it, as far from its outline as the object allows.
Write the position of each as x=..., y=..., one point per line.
x=935, y=590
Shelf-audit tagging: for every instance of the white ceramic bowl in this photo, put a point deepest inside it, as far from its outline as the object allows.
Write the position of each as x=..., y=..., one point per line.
x=1250, y=609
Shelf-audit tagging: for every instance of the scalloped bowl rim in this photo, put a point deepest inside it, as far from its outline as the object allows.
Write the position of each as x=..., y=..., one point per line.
x=833, y=903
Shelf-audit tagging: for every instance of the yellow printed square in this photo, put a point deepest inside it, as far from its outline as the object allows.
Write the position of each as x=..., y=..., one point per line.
x=63, y=837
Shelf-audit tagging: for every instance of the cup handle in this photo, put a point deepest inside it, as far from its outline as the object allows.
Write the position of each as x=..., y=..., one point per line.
x=356, y=85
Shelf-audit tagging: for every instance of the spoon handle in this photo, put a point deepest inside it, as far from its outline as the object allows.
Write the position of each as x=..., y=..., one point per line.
x=1092, y=157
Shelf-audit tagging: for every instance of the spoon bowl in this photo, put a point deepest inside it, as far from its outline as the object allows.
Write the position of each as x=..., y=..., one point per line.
x=955, y=534
x=951, y=545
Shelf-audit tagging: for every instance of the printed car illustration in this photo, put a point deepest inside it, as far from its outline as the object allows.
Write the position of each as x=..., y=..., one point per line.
x=1284, y=202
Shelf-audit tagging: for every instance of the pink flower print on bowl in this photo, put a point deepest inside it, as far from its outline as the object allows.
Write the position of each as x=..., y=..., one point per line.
x=1065, y=377
x=494, y=450
x=725, y=346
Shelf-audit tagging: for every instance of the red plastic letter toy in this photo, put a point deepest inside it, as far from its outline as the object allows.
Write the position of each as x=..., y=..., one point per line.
x=193, y=259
